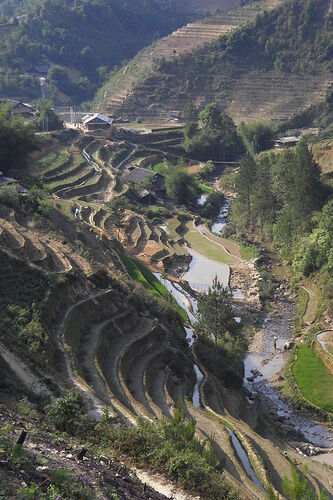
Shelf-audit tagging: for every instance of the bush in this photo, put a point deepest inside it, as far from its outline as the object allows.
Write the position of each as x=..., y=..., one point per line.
x=68, y=414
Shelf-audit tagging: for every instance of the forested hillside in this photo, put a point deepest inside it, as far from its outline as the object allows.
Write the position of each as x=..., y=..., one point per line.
x=90, y=36
x=273, y=67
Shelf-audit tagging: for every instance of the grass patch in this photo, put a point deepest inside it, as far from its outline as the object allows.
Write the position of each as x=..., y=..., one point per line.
x=69, y=181
x=313, y=378
x=312, y=304
x=161, y=168
x=206, y=189
x=302, y=302
x=247, y=251
x=139, y=272
x=205, y=246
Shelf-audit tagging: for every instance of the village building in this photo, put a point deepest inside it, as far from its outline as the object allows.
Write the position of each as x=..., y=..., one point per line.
x=95, y=122
x=18, y=108
x=23, y=109
x=137, y=175
x=286, y=142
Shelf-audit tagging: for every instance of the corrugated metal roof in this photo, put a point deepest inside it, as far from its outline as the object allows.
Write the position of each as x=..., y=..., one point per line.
x=98, y=116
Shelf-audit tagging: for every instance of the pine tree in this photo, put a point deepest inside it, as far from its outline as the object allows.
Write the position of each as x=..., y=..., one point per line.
x=216, y=313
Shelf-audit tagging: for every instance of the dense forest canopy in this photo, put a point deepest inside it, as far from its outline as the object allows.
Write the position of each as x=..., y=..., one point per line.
x=17, y=140
x=91, y=36
x=282, y=204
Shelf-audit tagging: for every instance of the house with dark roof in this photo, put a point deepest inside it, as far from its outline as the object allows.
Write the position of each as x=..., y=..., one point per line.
x=18, y=108
x=137, y=175
x=22, y=109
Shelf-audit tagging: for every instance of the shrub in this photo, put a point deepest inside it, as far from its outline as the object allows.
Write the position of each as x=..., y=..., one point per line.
x=68, y=414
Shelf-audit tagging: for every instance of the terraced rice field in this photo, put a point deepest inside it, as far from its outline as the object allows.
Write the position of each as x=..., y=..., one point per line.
x=150, y=242
x=124, y=358
x=323, y=154
x=22, y=240
x=185, y=39
x=205, y=246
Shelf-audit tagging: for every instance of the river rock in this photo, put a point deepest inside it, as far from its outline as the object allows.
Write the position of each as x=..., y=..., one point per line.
x=289, y=345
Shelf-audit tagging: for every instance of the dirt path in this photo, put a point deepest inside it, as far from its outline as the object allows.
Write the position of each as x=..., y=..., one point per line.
x=158, y=483
x=24, y=373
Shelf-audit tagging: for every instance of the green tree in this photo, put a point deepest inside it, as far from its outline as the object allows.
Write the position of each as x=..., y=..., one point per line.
x=117, y=208
x=181, y=186
x=215, y=313
x=17, y=140
x=245, y=181
x=47, y=120
x=190, y=116
x=217, y=139
x=257, y=136
x=298, y=488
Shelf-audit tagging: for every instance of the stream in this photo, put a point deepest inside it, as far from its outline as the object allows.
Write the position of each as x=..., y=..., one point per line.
x=184, y=299
x=263, y=360
x=222, y=219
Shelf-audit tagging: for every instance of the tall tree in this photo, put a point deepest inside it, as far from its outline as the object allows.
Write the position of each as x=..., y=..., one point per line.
x=190, y=116
x=215, y=313
x=117, y=207
x=181, y=186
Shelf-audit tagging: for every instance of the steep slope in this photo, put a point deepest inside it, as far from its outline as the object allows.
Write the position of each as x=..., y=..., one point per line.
x=268, y=69
x=72, y=34
x=122, y=85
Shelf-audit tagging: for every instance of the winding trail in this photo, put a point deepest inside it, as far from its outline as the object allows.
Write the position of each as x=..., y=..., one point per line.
x=24, y=373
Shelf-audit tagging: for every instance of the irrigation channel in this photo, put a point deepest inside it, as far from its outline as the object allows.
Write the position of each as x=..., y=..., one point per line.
x=263, y=360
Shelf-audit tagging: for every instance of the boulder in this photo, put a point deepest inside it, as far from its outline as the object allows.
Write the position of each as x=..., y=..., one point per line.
x=289, y=345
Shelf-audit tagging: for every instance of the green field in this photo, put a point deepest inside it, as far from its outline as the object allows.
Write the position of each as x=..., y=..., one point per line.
x=139, y=272
x=206, y=247
x=206, y=189
x=313, y=378
x=161, y=168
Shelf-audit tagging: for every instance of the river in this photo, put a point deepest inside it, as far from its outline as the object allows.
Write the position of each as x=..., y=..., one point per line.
x=263, y=361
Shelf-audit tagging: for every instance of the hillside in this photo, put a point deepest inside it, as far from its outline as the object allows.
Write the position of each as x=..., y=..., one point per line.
x=71, y=35
x=118, y=91
x=268, y=69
